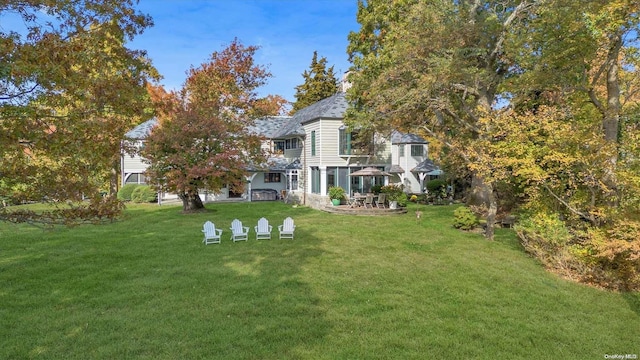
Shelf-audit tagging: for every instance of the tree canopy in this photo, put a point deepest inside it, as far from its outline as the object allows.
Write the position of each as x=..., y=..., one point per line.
x=319, y=83
x=69, y=90
x=203, y=141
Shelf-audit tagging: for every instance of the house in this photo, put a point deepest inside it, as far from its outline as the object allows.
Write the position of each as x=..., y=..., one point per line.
x=312, y=151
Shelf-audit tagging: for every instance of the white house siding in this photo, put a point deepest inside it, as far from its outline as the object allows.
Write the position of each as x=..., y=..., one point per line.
x=132, y=164
x=293, y=154
x=408, y=162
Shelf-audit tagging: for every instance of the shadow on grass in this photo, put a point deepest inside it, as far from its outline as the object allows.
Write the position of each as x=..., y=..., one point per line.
x=633, y=299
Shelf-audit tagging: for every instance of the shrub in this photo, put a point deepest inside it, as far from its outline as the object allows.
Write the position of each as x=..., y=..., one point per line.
x=376, y=189
x=437, y=186
x=336, y=192
x=144, y=194
x=464, y=219
x=393, y=191
x=124, y=193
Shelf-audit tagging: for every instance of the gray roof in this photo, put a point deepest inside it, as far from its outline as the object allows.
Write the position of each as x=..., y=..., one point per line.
x=332, y=107
x=141, y=131
x=394, y=169
x=402, y=138
x=268, y=126
x=427, y=166
x=276, y=164
x=291, y=127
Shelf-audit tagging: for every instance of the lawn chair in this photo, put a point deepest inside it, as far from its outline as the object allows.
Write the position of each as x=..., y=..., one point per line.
x=382, y=199
x=286, y=229
x=263, y=229
x=211, y=234
x=239, y=232
x=368, y=201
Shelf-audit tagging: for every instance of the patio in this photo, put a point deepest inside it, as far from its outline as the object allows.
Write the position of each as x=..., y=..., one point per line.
x=349, y=210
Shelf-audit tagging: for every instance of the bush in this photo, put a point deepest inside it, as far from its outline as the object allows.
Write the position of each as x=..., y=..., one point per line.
x=376, y=189
x=437, y=186
x=144, y=194
x=403, y=199
x=336, y=192
x=125, y=192
x=393, y=191
x=464, y=219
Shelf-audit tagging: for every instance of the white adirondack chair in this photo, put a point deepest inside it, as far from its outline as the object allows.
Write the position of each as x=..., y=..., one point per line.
x=287, y=228
x=263, y=229
x=239, y=232
x=211, y=234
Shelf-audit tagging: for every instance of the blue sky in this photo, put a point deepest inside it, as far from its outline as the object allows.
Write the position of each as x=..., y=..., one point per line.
x=186, y=32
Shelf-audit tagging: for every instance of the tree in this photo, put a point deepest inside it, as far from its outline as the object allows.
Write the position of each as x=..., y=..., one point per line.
x=202, y=141
x=69, y=90
x=319, y=83
x=433, y=68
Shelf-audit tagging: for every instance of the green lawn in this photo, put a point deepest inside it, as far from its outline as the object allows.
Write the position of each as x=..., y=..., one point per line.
x=348, y=287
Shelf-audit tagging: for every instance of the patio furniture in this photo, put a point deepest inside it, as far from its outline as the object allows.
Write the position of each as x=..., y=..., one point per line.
x=211, y=234
x=368, y=201
x=382, y=199
x=287, y=228
x=239, y=232
x=356, y=200
x=263, y=229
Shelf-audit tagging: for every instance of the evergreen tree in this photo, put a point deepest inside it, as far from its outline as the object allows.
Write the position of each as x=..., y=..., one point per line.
x=319, y=83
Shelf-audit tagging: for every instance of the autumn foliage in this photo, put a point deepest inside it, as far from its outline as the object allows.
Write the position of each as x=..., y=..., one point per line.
x=69, y=90
x=536, y=102
x=202, y=140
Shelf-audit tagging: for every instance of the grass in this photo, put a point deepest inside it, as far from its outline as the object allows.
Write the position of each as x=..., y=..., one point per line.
x=347, y=287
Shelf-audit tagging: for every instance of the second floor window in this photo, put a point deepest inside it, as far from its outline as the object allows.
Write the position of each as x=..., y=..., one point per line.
x=401, y=150
x=313, y=143
x=278, y=146
x=417, y=150
x=291, y=144
x=350, y=143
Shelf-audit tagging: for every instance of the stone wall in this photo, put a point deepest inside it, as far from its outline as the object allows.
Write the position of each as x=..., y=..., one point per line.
x=317, y=201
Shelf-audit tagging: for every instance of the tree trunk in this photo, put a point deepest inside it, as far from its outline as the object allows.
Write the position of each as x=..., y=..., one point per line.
x=610, y=121
x=191, y=201
x=482, y=194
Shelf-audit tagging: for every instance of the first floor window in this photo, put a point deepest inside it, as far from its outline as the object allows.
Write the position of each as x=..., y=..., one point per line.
x=272, y=177
x=136, y=179
x=315, y=180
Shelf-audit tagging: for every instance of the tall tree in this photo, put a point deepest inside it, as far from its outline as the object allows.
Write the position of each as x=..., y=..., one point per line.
x=434, y=67
x=587, y=51
x=69, y=90
x=202, y=141
x=319, y=83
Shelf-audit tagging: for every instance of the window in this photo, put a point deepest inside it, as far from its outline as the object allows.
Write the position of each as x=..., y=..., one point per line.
x=313, y=143
x=345, y=141
x=293, y=176
x=278, y=146
x=352, y=143
x=417, y=150
x=136, y=179
x=291, y=144
x=401, y=150
x=272, y=177
x=315, y=179
x=331, y=177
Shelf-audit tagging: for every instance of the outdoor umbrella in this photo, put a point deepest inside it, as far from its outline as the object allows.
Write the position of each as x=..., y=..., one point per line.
x=369, y=171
